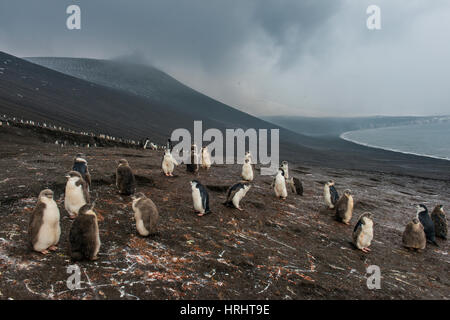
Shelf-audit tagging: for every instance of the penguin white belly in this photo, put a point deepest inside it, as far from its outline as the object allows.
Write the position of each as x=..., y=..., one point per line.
x=348, y=214
x=141, y=229
x=74, y=198
x=197, y=199
x=280, y=187
x=247, y=172
x=238, y=197
x=50, y=230
x=168, y=166
x=365, y=238
x=139, y=222
x=327, y=196
x=206, y=161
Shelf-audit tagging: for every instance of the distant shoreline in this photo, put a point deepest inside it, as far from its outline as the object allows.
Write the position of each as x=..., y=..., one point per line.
x=345, y=138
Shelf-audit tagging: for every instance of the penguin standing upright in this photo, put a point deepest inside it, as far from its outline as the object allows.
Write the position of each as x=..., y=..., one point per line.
x=363, y=232
x=44, y=229
x=247, y=170
x=427, y=222
x=84, y=235
x=414, y=236
x=76, y=194
x=330, y=194
x=344, y=207
x=280, y=185
x=146, y=214
x=193, y=165
x=168, y=163
x=80, y=165
x=440, y=222
x=295, y=185
x=125, y=181
x=206, y=158
x=285, y=167
x=200, y=198
x=235, y=194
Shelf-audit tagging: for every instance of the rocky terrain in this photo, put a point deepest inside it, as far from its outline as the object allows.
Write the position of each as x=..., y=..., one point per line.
x=292, y=249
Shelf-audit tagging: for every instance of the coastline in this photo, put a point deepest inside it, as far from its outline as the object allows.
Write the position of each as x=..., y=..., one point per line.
x=344, y=137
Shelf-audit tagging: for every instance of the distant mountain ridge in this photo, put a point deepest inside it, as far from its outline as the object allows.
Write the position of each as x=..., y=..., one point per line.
x=320, y=127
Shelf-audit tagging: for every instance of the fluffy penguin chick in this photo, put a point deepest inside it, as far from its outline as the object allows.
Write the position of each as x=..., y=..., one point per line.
x=145, y=214
x=44, y=229
x=168, y=163
x=295, y=185
x=363, y=232
x=200, y=198
x=76, y=194
x=414, y=236
x=84, y=235
x=330, y=194
x=428, y=224
x=235, y=194
x=247, y=170
x=440, y=222
x=125, y=181
x=206, y=158
x=280, y=185
x=344, y=207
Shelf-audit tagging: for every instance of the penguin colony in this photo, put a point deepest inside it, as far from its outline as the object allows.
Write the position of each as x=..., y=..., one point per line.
x=44, y=225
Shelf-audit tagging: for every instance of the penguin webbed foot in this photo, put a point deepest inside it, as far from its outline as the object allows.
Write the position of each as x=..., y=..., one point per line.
x=53, y=248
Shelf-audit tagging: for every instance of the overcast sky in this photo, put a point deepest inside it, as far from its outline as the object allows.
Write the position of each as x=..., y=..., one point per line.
x=265, y=57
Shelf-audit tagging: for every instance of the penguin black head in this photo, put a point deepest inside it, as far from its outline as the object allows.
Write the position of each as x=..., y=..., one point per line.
x=348, y=192
x=421, y=208
x=330, y=182
x=46, y=193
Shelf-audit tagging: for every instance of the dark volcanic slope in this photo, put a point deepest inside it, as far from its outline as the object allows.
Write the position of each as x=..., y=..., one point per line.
x=158, y=87
x=274, y=249
x=35, y=92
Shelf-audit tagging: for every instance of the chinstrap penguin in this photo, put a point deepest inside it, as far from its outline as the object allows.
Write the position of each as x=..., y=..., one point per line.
x=200, y=198
x=414, y=236
x=330, y=194
x=280, y=185
x=295, y=185
x=247, y=170
x=125, y=180
x=235, y=194
x=146, y=214
x=440, y=222
x=168, y=163
x=84, y=235
x=80, y=165
x=206, y=158
x=76, y=193
x=427, y=222
x=44, y=229
x=363, y=232
x=344, y=207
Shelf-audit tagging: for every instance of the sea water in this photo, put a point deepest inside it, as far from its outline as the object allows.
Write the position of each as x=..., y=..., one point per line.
x=431, y=140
